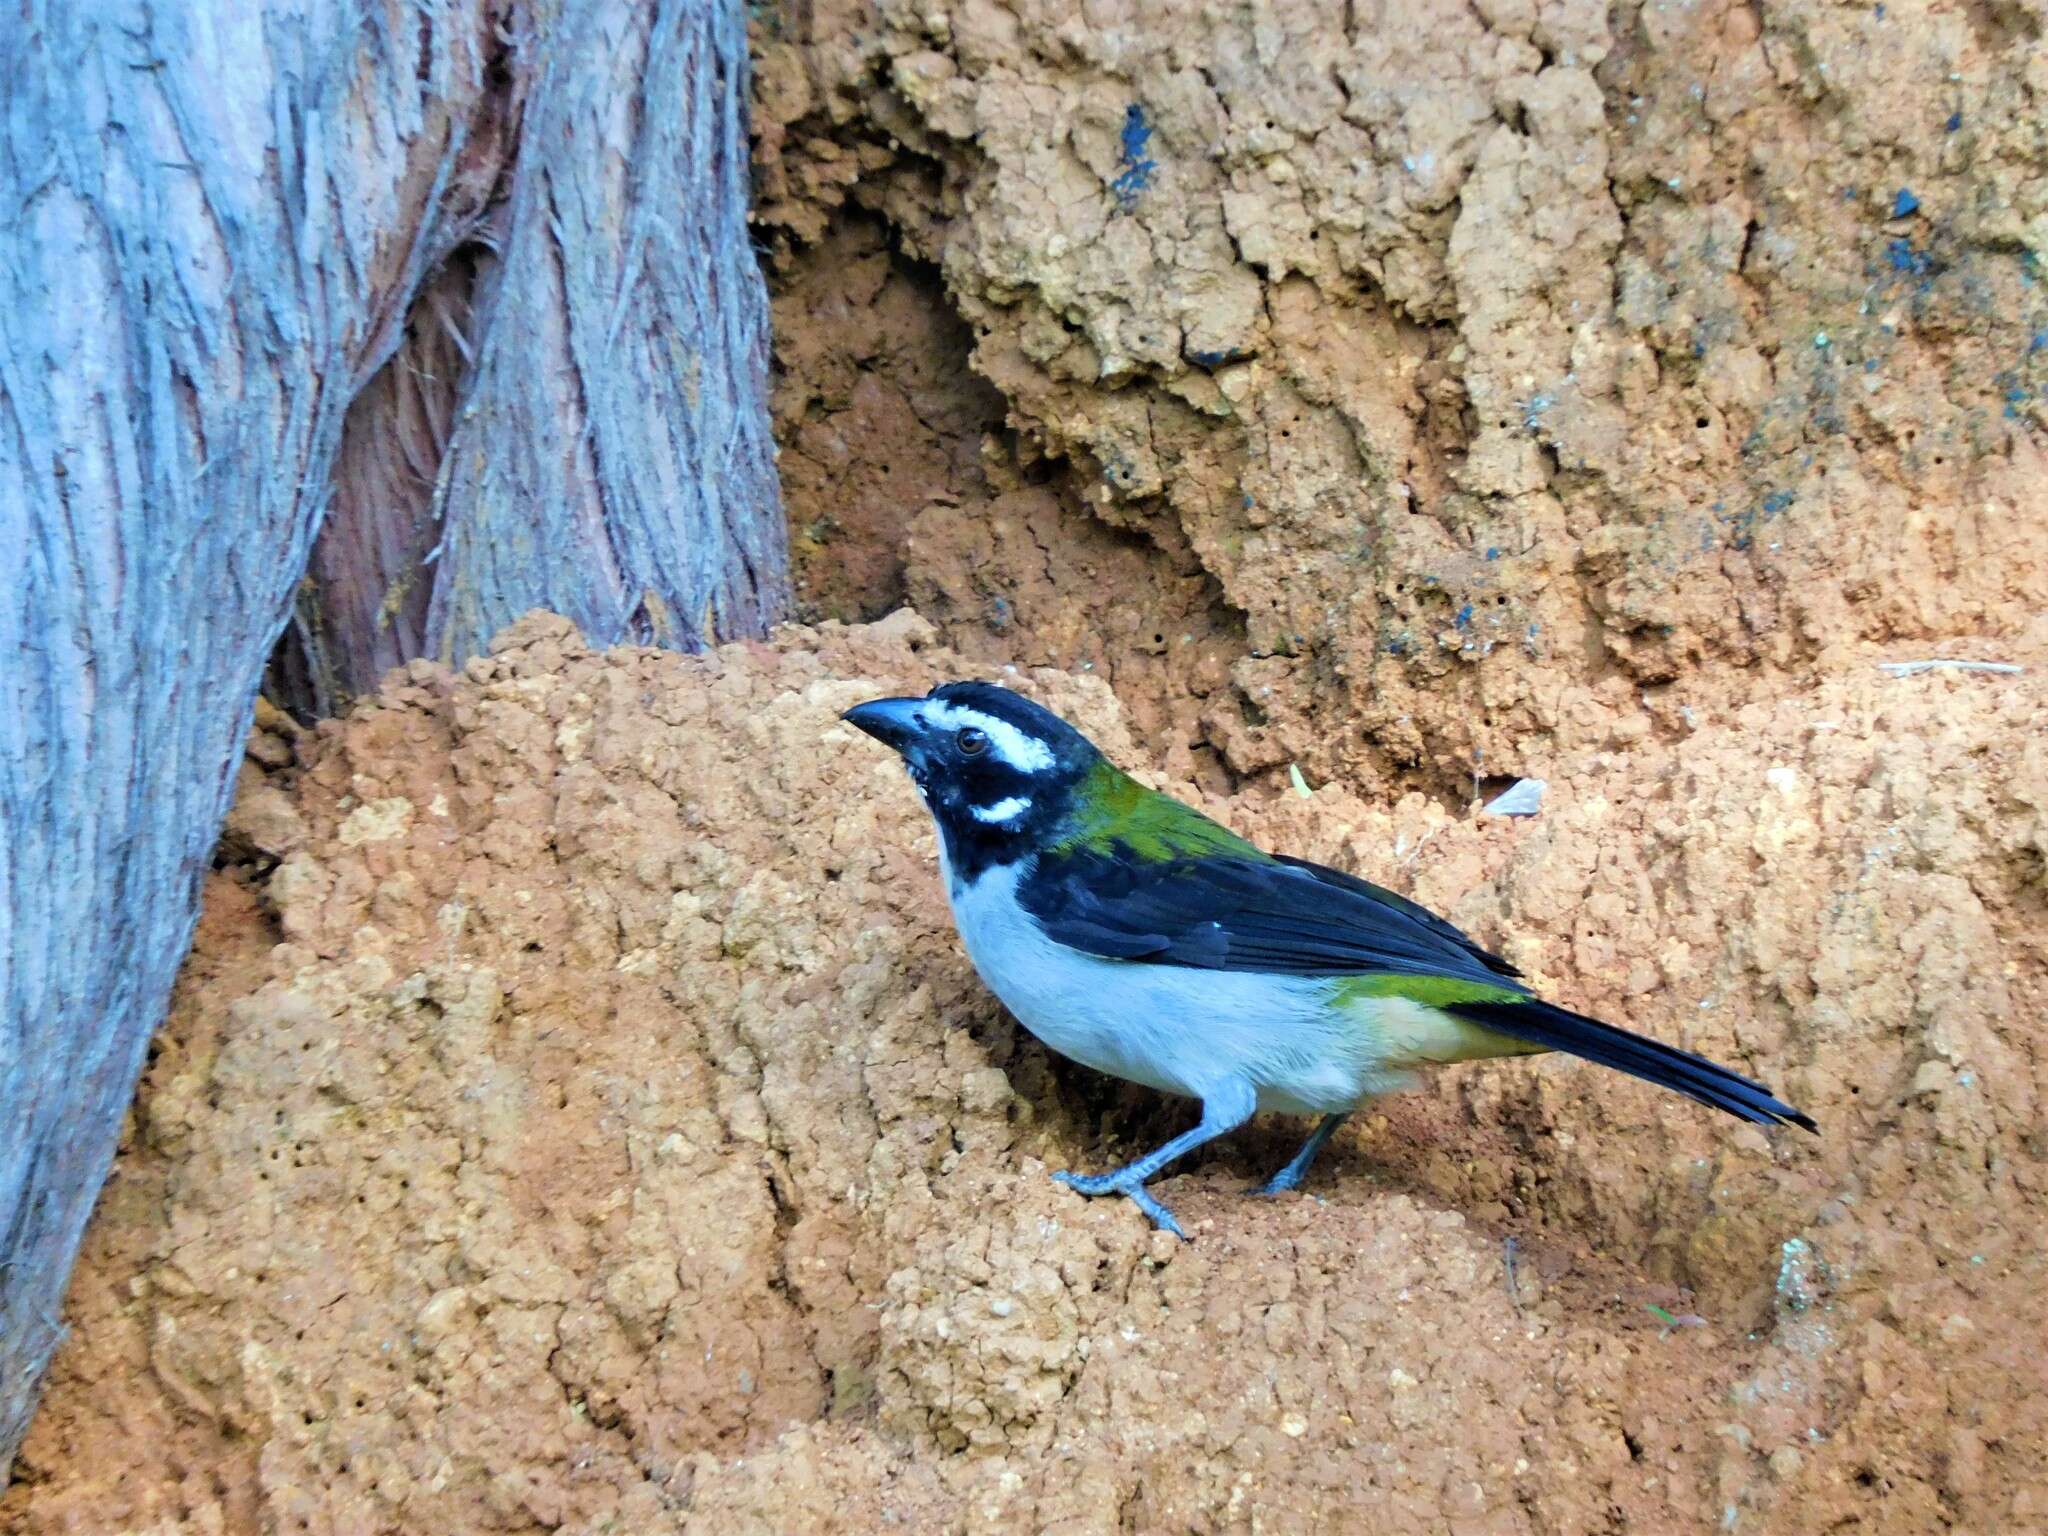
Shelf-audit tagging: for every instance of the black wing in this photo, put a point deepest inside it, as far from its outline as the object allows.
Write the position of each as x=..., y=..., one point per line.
x=1285, y=916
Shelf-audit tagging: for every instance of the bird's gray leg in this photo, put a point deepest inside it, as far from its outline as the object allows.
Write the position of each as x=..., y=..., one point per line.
x=1291, y=1176
x=1223, y=1110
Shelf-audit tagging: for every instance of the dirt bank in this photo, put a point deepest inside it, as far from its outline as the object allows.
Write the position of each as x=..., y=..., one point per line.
x=1462, y=374
x=579, y=1116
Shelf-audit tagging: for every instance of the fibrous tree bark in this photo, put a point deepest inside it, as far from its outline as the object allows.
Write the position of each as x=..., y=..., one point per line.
x=467, y=280
x=573, y=419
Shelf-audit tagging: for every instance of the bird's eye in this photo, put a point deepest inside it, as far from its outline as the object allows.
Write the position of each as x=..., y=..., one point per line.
x=972, y=741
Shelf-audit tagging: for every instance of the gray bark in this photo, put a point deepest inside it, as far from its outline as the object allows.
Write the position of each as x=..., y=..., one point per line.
x=619, y=387
x=573, y=420
x=475, y=275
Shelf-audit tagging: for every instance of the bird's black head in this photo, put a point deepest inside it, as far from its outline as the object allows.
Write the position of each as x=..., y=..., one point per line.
x=996, y=769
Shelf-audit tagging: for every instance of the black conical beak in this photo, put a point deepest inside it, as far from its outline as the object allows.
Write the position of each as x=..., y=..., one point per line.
x=893, y=722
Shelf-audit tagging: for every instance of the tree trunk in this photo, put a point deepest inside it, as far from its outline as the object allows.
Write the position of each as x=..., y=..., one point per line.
x=473, y=277
x=573, y=420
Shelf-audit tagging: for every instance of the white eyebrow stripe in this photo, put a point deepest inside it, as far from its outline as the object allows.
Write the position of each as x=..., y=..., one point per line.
x=1002, y=810
x=1026, y=754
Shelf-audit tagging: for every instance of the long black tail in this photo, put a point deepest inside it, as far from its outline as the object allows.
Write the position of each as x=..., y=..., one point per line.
x=1558, y=1029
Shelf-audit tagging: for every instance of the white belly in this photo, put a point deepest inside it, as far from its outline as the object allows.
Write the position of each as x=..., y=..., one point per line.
x=1175, y=1028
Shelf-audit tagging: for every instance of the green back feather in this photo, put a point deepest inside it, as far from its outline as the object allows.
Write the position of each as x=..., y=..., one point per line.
x=1111, y=813
x=1110, y=809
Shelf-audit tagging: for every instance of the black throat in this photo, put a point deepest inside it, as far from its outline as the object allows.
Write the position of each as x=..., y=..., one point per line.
x=975, y=844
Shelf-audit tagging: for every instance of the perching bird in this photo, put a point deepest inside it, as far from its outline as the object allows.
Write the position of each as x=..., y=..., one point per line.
x=1135, y=935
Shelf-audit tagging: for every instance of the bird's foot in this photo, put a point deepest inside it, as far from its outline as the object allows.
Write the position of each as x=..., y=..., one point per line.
x=1119, y=1183
x=1297, y=1167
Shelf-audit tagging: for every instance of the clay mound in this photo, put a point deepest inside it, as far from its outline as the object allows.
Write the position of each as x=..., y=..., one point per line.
x=578, y=1115
x=1457, y=374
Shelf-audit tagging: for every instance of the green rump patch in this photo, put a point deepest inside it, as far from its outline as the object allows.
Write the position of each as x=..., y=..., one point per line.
x=1431, y=991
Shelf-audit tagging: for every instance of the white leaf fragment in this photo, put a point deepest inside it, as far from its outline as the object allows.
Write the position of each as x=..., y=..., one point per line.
x=1524, y=797
x=1915, y=668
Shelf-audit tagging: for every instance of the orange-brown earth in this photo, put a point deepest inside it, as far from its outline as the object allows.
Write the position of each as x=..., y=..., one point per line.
x=1414, y=391
x=576, y=1113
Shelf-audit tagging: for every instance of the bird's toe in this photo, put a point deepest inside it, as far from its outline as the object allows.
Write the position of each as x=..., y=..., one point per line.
x=1162, y=1218
x=1089, y=1183
x=1121, y=1184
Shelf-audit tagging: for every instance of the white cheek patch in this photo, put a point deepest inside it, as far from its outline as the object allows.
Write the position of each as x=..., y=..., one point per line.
x=1002, y=810
x=1026, y=754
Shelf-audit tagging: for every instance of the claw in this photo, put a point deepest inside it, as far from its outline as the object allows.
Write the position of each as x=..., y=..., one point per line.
x=1092, y=1184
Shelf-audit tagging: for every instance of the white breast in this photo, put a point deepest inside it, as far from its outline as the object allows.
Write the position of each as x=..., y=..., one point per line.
x=1174, y=1028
